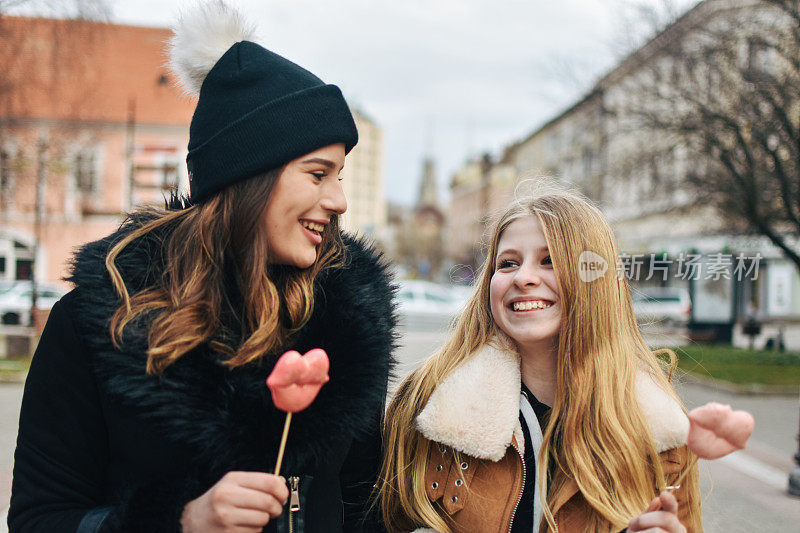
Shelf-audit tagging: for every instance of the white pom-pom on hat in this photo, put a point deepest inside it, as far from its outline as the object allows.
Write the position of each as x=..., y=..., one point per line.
x=202, y=35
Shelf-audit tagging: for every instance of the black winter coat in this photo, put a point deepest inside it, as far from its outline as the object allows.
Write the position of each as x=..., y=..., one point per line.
x=103, y=446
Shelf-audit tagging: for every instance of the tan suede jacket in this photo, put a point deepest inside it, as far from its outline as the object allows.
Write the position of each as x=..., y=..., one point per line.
x=495, y=488
x=475, y=411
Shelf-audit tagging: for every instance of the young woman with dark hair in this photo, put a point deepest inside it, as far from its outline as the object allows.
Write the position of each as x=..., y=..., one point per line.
x=146, y=408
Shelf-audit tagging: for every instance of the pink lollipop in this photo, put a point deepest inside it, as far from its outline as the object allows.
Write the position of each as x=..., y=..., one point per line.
x=294, y=383
x=715, y=430
x=296, y=379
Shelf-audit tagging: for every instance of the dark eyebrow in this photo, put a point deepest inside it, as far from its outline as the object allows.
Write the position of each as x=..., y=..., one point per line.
x=324, y=162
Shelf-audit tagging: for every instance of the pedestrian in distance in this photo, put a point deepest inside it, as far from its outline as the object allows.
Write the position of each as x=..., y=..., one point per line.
x=146, y=407
x=545, y=410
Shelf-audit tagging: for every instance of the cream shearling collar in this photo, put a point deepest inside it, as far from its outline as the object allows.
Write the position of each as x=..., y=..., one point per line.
x=476, y=408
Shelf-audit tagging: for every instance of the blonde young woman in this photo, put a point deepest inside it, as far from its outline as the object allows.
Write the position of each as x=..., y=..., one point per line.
x=545, y=410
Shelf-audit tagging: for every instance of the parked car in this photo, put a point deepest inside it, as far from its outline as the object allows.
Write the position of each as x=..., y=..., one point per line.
x=15, y=301
x=424, y=298
x=6, y=286
x=461, y=293
x=667, y=305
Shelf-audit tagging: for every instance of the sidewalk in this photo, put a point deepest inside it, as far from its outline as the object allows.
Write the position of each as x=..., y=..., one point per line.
x=10, y=401
x=746, y=491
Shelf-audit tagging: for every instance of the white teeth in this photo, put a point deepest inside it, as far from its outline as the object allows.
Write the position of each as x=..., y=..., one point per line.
x=313, y=226
x=527, y=305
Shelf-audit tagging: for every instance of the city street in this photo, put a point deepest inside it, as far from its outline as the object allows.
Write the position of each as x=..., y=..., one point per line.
x=743, y=492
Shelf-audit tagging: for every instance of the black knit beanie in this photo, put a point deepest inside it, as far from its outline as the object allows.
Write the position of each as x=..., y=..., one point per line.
x=256, y=110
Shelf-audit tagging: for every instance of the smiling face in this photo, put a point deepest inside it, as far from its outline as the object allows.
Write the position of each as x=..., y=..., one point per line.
x=306, y=195
x=523, y=293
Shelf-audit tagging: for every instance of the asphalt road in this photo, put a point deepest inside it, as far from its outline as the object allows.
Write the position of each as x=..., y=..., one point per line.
x=744, y=492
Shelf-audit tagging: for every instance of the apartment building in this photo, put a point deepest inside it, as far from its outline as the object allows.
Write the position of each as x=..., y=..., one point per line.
x=91, y=125
x=363, y=181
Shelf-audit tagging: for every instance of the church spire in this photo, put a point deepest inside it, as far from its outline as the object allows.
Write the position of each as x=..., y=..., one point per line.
x=428, y=196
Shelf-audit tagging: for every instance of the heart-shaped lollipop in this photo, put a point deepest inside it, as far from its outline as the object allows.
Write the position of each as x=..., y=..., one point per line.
x=294, y=383
x=715, y=430
x=296, y=379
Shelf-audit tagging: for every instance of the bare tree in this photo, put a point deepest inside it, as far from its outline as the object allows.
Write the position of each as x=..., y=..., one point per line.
x=639, y=21
x=726, y=86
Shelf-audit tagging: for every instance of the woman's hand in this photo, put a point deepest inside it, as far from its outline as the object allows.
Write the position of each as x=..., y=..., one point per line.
x=660, y=516
x=240, y=501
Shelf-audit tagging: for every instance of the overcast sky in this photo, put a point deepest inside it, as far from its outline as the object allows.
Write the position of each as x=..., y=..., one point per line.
x=447, y=78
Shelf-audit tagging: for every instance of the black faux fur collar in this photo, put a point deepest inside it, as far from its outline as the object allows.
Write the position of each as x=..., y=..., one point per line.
x=225, y=418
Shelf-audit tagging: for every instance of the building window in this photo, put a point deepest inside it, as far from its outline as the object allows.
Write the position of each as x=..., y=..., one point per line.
x=656, y=168
x=85, y=173
x=588, y=163
x=24, y=269
x=16, y=259
x=760, y=58
x=5, y=179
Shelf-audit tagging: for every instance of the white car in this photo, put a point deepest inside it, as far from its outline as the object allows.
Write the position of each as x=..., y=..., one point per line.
x=6, y=286
x=461, y=293
x=668, y=305
x=15, y=301
x=424, y=298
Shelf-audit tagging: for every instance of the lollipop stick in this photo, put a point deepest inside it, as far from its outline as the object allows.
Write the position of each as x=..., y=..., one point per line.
x=677, y=483
x=283, y=442
x=671, y=488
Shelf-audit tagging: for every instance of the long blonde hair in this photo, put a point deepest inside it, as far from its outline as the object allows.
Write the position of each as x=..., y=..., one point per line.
x=594, y=425
x=211, y=250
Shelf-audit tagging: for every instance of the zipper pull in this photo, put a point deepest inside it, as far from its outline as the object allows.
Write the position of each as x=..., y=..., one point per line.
x=294, y=497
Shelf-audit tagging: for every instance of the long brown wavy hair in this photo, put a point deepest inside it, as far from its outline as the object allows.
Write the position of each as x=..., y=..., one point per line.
x=216, y=264
x=596, y=434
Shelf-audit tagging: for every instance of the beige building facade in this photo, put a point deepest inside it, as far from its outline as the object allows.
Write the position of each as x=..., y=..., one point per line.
x=477, y=191
x=363, y=181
